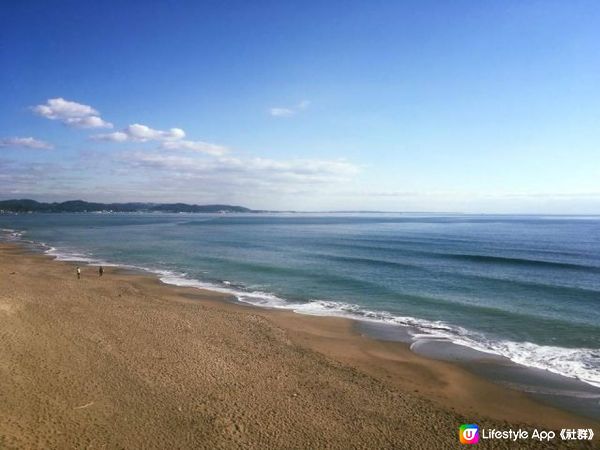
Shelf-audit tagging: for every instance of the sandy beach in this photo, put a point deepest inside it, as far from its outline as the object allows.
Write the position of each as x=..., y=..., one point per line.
x=124, y=361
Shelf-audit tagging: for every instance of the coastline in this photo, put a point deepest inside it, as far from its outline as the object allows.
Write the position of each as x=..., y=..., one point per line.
x=532, y=365
x=271, y=372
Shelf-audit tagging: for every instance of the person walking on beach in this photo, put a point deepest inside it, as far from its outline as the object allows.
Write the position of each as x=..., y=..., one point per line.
x=100, y=271
x=78, y=273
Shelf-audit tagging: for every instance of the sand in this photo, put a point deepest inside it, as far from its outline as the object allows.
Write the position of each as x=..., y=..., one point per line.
x=124, y=361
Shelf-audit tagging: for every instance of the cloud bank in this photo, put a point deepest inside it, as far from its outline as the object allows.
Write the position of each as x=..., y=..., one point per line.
x=249, y=180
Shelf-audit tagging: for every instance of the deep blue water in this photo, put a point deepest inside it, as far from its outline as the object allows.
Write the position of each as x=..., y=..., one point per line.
x=525, y=287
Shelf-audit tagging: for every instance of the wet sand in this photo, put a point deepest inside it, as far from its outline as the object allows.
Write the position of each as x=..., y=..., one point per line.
x=124, y=361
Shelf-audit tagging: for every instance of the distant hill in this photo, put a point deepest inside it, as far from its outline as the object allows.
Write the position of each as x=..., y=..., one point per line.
x=27, y=205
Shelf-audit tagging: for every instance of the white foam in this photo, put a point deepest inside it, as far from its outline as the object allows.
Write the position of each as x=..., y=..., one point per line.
x=257, y=298
x=74, y=256
x=70, y=256
x=9, y=234
x=580, y=363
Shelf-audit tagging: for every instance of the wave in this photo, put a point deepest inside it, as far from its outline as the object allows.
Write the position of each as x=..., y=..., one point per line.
x=468, y=257
x=579, y=363
x=518, y=261
x=70, y=256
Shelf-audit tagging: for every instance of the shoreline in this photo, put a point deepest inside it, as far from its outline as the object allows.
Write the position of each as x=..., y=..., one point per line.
x=570, y=394
x=449, y=392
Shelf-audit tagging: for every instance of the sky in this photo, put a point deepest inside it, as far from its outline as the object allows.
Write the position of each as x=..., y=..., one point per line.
x=490, y=107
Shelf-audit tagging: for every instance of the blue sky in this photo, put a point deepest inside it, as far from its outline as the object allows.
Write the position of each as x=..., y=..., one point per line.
x=430, y=106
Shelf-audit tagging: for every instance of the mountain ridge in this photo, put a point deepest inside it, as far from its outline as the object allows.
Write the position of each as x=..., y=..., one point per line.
x=29, y=205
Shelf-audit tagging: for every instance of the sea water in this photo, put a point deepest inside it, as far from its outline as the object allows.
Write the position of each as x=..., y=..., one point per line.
x=524, y=287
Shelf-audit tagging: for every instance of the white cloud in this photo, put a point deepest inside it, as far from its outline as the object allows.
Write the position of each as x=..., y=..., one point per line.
x=141, y=133
x=25, y=142
x=59, y=108
x=71, y=113
x=196, y=146
x=281, y=112
x=290, y=110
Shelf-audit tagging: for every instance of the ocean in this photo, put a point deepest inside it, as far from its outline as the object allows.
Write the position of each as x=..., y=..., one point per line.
x=523, y=287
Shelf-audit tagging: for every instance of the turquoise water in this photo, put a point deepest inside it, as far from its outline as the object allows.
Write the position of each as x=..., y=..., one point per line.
x=524, y=287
